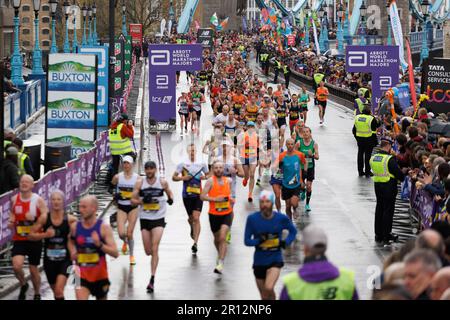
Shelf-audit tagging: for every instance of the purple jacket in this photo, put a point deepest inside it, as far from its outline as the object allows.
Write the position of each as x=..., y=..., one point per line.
x=317, y=270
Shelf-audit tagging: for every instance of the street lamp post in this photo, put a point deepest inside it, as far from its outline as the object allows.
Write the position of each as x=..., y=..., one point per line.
x=66, y=47
x=75, y=36
x=16, y=59
x=322, y=29
x=53, y=7
x=84, y=11
x=326, y=39
x=90, y=39
x=340, y=33
x=347, y=37
x=94, y=12
x=124, y=19
x=363, y=10
x=389, y=36
x=307, y=11
x=424, y=53
x=37, y=53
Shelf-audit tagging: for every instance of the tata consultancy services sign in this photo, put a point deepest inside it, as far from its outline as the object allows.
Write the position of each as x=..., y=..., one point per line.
x=436, y=84
x=165, y=60
x=71, y=110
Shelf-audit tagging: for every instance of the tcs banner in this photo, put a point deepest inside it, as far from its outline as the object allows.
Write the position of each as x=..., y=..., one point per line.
x=136, y=33
x=165, y=60
x=436, y=84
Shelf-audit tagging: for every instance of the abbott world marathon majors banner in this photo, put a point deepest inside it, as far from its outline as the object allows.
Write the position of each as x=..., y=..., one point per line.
x=165, y=60
x=71, y=112
x=436, y=84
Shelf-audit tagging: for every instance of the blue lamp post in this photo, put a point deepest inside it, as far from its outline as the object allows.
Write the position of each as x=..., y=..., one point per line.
x=307, y=11
x=66, y=47
x=16, y=60
x=90, y=39
x=326, y=39
x=363, y=10
x=53, y=7
x=424, y=53
x=37, y=53
x=94, y=12
x=347, y=37
x=124, y=19
x=389, y=36
x=84, y=11
x=340, y=33
x=322, y=30
x=75, y=36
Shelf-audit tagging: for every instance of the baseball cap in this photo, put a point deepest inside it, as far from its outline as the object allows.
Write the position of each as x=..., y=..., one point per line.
x=267, y=195
x=150, y=164
x=128, y=159
x=314, y=236
x=123, y=116
x=12, y=151
x=250, y=124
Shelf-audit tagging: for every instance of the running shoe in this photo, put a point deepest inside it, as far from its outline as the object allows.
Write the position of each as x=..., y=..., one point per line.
x=321, y=122
x=23, y=291
x=37, y=297
x=244, y=182
x=219, y=268
x=250, y=199
x=150, y=287
x=124, y=249
x=228, y=237
x=307, y=208
x=132, y=261
x=258, y=182
x=302, y=196
x=194, y=248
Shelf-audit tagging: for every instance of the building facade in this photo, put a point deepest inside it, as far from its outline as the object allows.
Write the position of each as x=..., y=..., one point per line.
x=6, y=28
x=27, y=32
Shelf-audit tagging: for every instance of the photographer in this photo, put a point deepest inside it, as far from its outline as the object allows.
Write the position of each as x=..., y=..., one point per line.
x=120, y=135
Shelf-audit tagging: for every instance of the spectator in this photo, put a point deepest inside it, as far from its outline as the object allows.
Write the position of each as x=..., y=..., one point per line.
x=392, y=292
x=431, y=239
x=9, y=171
x=24, y=161
x=440, y=283
x=394, y=274
x=420, y=267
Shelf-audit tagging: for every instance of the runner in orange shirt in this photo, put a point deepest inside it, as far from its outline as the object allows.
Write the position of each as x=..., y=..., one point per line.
x=322, y=97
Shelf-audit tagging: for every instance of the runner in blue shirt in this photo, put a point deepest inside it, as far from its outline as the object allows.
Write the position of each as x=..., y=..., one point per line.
x=264, y=231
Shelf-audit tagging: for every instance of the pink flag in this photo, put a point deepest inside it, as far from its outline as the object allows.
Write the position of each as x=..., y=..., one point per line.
x=412, y=84
x=197, y=25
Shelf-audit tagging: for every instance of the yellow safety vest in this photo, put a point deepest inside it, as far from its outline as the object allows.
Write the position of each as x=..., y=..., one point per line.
x=379, y=165
x=363, y=125
x=117, y=145
x=264, y=56
x=285, y=69
x=21, y=159
x=318, y=77
x=361, y=104
x=277, y=64
x=341, y=288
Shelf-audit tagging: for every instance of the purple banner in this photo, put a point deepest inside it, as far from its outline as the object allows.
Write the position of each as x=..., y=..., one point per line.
x=75, y=178
x=381, y=61
x=423, y=203
x=165, y=60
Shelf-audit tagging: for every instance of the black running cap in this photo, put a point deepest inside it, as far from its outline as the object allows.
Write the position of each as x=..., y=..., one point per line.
x=150, y=164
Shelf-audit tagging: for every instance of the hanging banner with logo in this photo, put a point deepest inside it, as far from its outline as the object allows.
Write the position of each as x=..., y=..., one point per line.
x=102, y=53
x=127, y=58
x=381, y=61
x=136, y=33
x=396, y=25
x=165, y=60
x=316, y=39
x=436, y=84
x=404, y=96
x=291, y=40
x=71, y=111
x=205, y=36
x=119, y=75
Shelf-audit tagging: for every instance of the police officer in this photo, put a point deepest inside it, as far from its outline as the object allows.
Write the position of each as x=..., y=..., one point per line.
x=287, y=73
x=277, y=68
x=318, y=279
x=264, y=57
x=361, y=101
x=24, y=162
x=386, y=172
x=120, y=135
x=365, y=133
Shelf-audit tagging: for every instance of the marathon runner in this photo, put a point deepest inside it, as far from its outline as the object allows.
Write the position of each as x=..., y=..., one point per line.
x=148, y=193
x=197, y=99
x=191, y=172
x=183, y=111
x=303, y=100
x=55, y=233
x=276, y=179
x=218, y=192
x=294, y=113
x=264, y=231
x=126, y=211
x=248, y=145
x=322, y=97
x=291, y=162
x=282, y=109
x=26, y=208
x=90, y=241
x=310, y=149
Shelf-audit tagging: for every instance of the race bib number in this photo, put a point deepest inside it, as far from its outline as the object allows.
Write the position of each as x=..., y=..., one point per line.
x=151, y=206
x=88, y=258
x=23, y=231
x=222, y=206
x=281, y=115
x=294, y=114
x=270, y=244
x=125, y=194
x=193, y=189
x=56, y=254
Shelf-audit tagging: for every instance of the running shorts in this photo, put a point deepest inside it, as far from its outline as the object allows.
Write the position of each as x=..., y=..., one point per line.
x=323, y=103
x=217, y=221
x=199, y=114
x=249, y=161
x=309, y=174
x=281, y=122
x=183, y=114
x=125, y=208
x=99, y=289
x=31, y=249
x=55, y=268
x=192, y=204
x=151, y=224
x=292, y=123
x=287, y=193
x=274, y=180
x=260, y=272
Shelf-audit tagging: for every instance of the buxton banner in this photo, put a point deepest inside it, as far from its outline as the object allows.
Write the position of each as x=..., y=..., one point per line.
x=136, y=33
x=103, y=88
x=165, y=60
x=381, y=61
x=436, y=84
x=71, y=111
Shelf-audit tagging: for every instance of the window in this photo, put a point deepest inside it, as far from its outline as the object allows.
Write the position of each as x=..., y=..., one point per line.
x=25, y=31
x=25, y=8
x=45, y=8
x=26, y=43
x=45, y=31
x=45, y=20
x=46, y=43
x=25, y=20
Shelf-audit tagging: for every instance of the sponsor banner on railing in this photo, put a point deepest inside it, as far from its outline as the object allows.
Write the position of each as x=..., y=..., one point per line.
x=103, y=87
x=73, y=180
x=127, y=58
x=119, y=82
x=165, y=60
x=423, y=203
x=436, y=84
x=71, y=111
